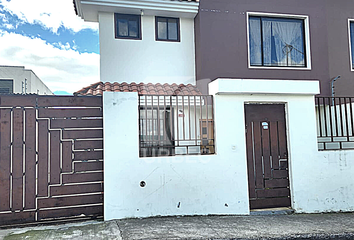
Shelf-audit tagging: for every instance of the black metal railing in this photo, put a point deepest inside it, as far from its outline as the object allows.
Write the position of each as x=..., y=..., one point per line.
x=334, y=116
x=176, y=125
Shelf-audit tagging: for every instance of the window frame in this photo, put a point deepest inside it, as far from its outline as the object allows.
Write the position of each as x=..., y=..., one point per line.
x=127, y=16
x=306, y=32
x=351, y=38
x=157, y=29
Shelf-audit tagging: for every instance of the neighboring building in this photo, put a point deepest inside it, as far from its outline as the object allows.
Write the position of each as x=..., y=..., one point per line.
x=17, y=79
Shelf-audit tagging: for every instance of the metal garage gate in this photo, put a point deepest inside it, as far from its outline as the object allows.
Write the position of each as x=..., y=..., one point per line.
x=51, y=158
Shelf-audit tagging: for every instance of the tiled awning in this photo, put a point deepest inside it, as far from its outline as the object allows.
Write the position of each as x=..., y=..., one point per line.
x=98, y=88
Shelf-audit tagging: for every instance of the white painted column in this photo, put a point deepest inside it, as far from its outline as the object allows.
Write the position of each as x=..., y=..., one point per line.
x=121, y=144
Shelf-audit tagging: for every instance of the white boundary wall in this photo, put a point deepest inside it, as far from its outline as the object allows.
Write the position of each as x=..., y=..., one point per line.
x=181, y=185
x=217, y=184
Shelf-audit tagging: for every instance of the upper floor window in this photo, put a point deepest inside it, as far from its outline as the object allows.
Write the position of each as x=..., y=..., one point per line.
x=127, y=26
x=277, y=42
x=351, y=36
x=6, y=86
x=167, y=29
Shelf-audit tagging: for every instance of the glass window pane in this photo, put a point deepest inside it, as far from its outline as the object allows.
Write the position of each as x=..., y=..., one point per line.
x=172, y=29
x=162, y=30
x=122, y=27
x=352, y=41
x=255, y=41
x=133, y=28
x=283, y=42
x=276, y=42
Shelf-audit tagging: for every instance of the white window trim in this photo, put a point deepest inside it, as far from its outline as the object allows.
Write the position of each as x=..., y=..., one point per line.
x=307, y=39
x=350, y=20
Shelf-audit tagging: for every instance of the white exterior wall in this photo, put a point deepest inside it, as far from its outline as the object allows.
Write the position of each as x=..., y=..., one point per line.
x=180, y=185
x=146, y=60
x=326, y=183
x=218, y=184
x=320, y=181
x=19, y=74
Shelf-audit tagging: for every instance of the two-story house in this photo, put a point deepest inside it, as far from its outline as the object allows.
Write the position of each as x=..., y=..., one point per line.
x=192, y=42
x=262, y=62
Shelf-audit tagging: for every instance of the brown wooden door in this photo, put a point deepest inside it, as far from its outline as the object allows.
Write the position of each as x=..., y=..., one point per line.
x=267, y=156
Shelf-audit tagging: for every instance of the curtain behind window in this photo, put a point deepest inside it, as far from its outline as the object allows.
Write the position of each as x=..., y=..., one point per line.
x=255, y=41
x=282, y=39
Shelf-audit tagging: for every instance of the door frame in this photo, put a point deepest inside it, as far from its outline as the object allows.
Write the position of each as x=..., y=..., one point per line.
x=287, y=145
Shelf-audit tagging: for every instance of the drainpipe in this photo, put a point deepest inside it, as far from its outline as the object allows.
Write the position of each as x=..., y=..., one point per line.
x=332, y=85
x=332, y=88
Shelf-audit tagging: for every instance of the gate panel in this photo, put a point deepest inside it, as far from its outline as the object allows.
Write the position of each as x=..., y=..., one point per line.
x=54, y=157
x=17, y=160
x=42, y=158
x=5, y=158
x=30, y=153
x=267, y=156
x=40, y=170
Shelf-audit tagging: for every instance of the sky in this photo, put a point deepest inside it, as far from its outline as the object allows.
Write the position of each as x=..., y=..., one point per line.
x=47, y=37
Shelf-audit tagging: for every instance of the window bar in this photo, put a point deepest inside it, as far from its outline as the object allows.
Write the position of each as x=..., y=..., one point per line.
x=330, y=117
x=158, y=123
x=177, y=120
x=195, y=120
x=164, y=120
x=319, y=114
x=171, y=122
x=336, y=116
x=346, y=119
x=351, y=115
x=152, y=120
x=341, y=116
x=184, y=130
x=325, y=116
x=140, y=125
x=146, y=120
x=189, y=117
x=201, y=121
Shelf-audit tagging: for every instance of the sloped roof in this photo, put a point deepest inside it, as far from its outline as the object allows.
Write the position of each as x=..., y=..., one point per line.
x=98, y=88
x=75, y=8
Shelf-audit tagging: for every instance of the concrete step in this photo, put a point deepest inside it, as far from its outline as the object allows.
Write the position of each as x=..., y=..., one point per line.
x=272, y=211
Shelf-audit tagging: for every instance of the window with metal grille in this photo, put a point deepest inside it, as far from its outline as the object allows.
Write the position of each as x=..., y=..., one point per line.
x=176, y=125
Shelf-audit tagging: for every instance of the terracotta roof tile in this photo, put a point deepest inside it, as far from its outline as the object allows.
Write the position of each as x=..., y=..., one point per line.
x=98, y=88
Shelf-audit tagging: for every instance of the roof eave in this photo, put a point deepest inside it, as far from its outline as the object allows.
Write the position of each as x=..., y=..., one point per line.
x=88, y=9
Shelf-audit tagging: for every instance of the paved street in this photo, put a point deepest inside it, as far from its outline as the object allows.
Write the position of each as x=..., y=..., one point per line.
x=302, y=226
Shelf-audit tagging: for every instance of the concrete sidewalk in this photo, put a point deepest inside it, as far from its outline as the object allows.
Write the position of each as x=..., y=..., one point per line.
x=302, y=226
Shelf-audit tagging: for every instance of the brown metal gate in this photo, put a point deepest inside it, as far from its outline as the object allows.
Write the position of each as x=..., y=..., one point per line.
x=51, y=158
x=267, y=156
